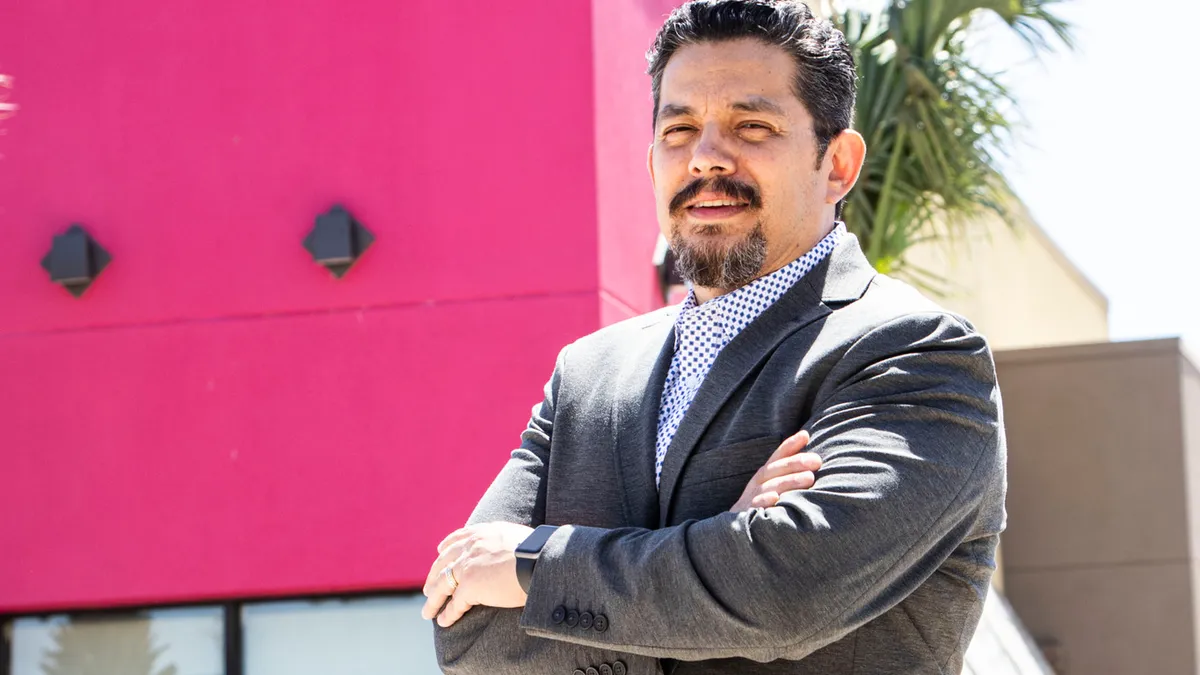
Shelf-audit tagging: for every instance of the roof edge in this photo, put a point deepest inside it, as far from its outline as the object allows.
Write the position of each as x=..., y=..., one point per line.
x=1056, y=251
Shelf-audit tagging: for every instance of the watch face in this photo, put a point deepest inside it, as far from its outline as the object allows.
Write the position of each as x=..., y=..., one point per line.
x=533, y=544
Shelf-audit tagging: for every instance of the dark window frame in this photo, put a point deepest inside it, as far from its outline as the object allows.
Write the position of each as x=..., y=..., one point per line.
x=235, y=662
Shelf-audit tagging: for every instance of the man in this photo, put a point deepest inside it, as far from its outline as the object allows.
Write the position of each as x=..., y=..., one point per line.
x=676, y=530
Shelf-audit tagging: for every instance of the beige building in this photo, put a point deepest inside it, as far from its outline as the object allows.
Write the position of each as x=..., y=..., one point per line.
x=1101, y=558
x=1016, y=285
x=1102, y=551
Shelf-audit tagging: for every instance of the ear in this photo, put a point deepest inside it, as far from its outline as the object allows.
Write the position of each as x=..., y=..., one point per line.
x=844, y=159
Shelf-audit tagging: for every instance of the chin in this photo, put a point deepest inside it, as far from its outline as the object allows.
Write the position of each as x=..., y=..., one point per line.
x=710, y=229
x=707, y=230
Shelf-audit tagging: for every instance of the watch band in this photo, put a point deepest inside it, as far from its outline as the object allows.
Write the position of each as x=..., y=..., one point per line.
x=528, y=551
x=525, y=572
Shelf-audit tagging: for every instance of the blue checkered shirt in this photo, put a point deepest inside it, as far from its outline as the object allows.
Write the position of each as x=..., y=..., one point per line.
x=701, y=331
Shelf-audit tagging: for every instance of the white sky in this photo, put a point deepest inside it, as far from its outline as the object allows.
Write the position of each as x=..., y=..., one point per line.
x=1108, y=164
x=1109, y=155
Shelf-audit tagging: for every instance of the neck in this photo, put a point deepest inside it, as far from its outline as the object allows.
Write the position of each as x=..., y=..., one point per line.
x=794, y=252
x=705, y=293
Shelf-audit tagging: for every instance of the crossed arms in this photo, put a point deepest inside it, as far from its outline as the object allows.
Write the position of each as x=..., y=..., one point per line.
x=908, y=430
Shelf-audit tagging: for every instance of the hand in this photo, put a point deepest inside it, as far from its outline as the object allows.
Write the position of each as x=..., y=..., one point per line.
x=784, y=471
x=484, y=563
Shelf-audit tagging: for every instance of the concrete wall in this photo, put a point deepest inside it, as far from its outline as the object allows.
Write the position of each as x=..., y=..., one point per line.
x=1016, y=286
x=1100, y=553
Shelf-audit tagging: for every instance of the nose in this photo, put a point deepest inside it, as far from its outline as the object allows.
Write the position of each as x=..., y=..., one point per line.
x=711, y=155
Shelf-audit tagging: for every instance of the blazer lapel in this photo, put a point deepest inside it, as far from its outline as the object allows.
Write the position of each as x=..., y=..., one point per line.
x=842, y=277
x=635, y=418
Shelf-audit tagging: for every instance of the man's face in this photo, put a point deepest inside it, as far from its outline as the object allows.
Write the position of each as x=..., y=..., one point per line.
x=734, y=163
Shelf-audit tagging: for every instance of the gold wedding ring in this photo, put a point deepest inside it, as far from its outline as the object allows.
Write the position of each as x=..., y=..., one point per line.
x=449, y=574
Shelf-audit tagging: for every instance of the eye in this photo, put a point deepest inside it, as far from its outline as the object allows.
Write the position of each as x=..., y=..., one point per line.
x=676, y=130
x=755, y=129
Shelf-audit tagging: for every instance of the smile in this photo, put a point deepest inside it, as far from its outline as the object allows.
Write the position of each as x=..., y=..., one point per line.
x=713, y=203
x=716, y=209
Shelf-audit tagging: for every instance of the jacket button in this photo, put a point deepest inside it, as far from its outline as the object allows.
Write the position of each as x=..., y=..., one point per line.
x=585, y=620
x=606, y=669
x=572, y=618
x=559, y=614
x=592, y=671
x=619, y=668
x=600, y=623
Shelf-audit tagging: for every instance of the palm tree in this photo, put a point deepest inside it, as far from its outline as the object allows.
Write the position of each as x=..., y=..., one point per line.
x=120, y=647
x=935, y=122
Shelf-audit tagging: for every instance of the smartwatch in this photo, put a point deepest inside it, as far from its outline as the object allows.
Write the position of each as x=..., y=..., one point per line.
x=528, y=552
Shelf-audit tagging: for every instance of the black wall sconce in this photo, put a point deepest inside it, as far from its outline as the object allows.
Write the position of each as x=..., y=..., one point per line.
x=337, y=240
x=75, y=260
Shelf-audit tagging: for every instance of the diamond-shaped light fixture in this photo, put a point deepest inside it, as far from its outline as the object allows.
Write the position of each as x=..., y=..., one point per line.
x=337, y=240
x=75, y=260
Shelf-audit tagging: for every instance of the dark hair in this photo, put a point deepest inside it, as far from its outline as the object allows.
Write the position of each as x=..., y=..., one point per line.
x=825, y=77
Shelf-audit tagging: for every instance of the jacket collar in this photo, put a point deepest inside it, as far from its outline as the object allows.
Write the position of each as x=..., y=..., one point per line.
x=841, y=278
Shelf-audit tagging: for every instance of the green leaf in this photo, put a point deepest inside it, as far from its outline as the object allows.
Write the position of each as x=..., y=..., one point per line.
x=934, y=121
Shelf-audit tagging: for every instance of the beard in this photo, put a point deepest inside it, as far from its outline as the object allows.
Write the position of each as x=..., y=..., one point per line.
x=712, y=265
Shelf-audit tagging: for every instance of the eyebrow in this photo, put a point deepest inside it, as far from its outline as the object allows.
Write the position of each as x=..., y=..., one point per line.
x=754, y=104
x=674, y=110
x=758, y=104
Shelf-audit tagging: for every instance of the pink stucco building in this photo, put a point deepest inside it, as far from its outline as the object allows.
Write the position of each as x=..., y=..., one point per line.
x=220, y=441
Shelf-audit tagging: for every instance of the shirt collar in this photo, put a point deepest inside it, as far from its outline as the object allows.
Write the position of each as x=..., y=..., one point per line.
x=733, y=311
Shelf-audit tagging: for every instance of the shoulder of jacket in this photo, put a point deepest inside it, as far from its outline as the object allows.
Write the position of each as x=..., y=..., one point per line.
x=889, y=300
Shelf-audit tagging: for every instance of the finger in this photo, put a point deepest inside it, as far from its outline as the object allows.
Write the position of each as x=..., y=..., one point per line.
x=793, y=444
x=457, y=535
x=805, y=461
x=764, y=500
x=453, y=612
x=451, y=554
x=792, y=481
x=439, y=591
x=802, y=437
x=433, y=604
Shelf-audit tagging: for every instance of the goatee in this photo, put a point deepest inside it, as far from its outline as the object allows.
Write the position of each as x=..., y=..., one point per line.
x=717, y=266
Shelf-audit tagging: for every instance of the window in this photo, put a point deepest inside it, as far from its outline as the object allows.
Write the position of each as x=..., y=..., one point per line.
x=156, y=642
x=372, y=636
x=380, y=635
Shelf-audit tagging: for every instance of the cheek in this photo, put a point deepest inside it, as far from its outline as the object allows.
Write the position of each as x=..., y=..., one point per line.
x=667, y=183
x=795, y=187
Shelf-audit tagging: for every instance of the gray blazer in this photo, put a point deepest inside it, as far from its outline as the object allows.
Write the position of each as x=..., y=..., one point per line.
x=881, y=567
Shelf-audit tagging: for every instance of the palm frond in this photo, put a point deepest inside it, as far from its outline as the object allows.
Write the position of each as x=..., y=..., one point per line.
x=935, y=122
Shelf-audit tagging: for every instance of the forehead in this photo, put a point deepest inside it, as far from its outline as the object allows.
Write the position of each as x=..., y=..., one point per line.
x=721, y=73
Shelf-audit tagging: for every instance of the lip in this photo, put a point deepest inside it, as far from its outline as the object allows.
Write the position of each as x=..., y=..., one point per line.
x=712, y=197
x=709, y=213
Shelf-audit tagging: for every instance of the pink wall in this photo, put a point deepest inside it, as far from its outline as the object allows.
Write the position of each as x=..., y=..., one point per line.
x=622, y=30
x=197, y=140
x=310, y=453
x=217, y=417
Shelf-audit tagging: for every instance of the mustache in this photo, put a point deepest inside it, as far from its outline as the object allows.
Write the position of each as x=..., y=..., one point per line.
x=722, y=185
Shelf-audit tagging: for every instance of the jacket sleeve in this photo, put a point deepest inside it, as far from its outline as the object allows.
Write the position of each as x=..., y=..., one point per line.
x=490, y=640
x=907, y=424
